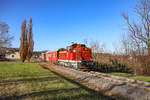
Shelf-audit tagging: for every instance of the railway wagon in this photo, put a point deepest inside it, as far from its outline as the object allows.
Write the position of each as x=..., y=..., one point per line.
x=43, y=57
x=52, y=56
x=74, y=56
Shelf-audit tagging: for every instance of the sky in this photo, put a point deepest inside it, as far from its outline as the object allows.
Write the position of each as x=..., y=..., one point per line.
x=57, y=23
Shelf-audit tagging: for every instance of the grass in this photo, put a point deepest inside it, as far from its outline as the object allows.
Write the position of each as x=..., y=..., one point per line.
x=27, y=81
x=141, y=78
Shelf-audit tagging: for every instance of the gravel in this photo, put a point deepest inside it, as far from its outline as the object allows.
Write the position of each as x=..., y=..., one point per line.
x=111, y=85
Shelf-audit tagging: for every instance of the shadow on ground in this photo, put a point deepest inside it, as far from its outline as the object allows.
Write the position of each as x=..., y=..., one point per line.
x=41, y=79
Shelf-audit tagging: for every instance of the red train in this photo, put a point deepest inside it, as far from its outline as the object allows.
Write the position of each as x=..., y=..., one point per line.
x=74, y=55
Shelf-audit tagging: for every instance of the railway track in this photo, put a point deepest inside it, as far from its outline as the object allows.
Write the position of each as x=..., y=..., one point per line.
x=116, y=79
x=84, y=68
x=110, y=85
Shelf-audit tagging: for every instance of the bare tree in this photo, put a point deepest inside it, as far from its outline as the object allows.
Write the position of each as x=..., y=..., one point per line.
x=23, y=42
x=30, y=41
x=139, y=31
x=97, y=48
x=5, y=37
x=127, y=44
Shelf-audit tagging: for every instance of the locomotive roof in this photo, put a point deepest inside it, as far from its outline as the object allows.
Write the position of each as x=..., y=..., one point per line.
x=74, y=45
x=51, y=51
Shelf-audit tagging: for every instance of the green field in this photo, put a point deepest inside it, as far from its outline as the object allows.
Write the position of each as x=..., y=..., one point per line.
x=29, y=81
x=131, y=76
x=141, y=78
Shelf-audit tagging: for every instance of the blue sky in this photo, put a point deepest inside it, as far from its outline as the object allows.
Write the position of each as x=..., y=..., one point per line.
x=57, y=23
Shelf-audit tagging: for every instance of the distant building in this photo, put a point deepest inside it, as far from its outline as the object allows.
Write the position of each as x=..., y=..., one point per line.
x=9, y=53
x=12, y=53
x=36, y=56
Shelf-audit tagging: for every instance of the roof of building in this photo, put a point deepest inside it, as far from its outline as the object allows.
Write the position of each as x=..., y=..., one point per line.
x=5, y=50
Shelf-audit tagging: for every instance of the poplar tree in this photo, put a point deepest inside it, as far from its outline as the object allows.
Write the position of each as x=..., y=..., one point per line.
x=23, y=42
x=30, y=41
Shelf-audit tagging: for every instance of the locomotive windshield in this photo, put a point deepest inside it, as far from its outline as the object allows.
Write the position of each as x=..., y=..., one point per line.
x=83, y=45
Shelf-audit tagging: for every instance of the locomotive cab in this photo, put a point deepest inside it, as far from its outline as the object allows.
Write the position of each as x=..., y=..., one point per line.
x=80, y=52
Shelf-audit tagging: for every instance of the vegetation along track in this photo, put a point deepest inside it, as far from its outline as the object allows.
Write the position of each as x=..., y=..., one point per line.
x=110, y=85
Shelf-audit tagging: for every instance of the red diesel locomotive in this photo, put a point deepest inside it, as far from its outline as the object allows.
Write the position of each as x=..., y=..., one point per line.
x=74, y=55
